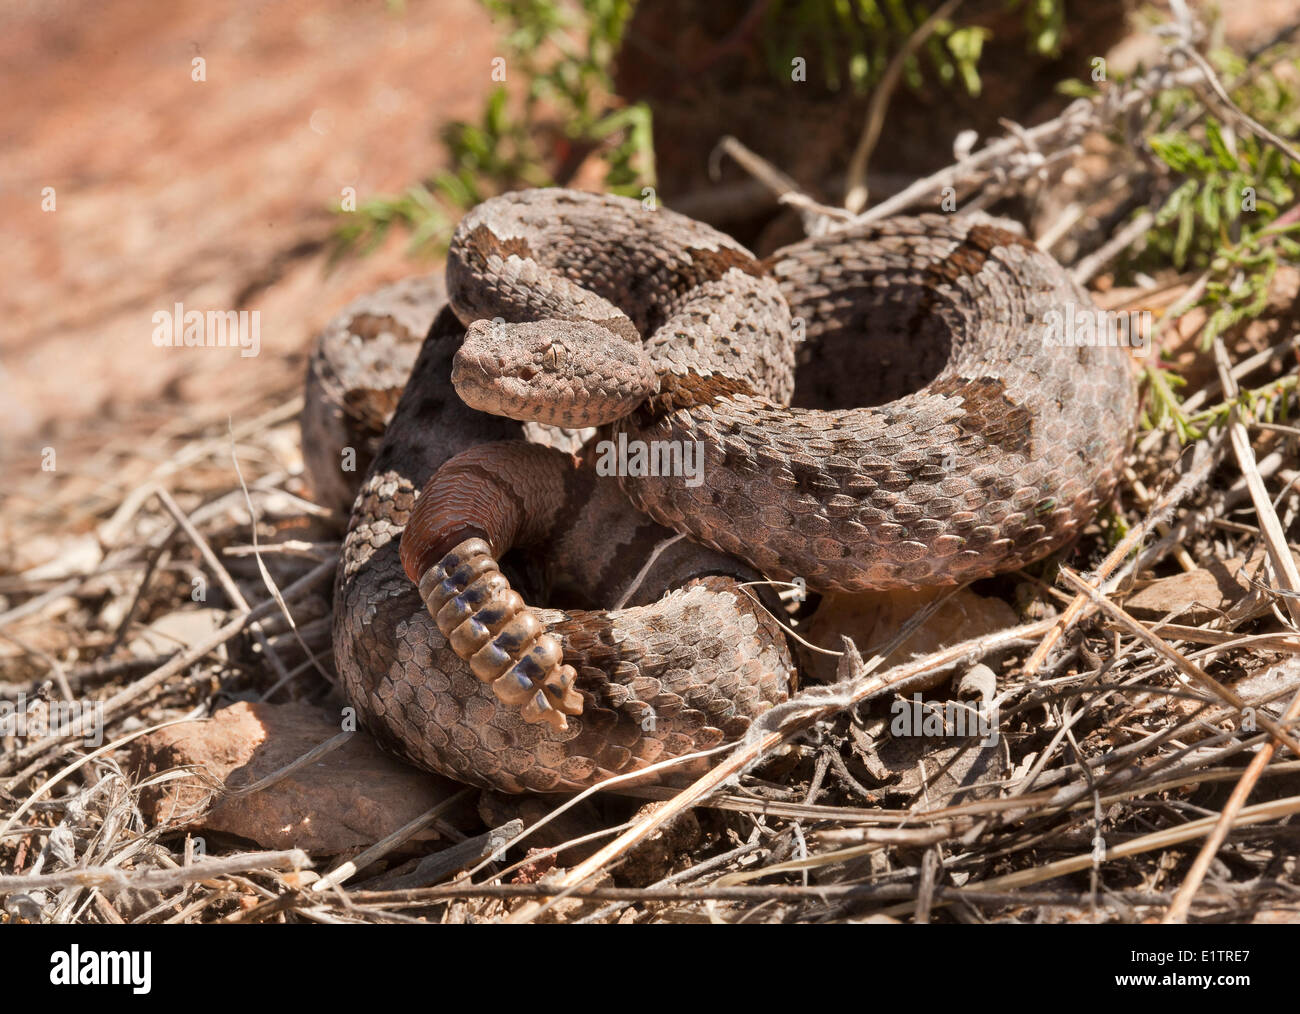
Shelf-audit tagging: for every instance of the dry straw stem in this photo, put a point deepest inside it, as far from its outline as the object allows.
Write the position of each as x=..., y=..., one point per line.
x=790, y=718
x=1204, y=635
x=1078, y=118
x=266, y=574
x=533, y=855
x=855, y=196
x=961, y=817
x=1231, y=814
x=712, y=892
x=68, y=769
x=181, y=661
x=1083, y=271
x=1167, y=838
x=692, y=874
x=227, y=583
x=310, y=757
x=1196, y=476
x=1285, y=569
x=381, y=848
x=1231, y=109
x=862, y=670
x=113, y=879
x=455, y=858
x=815, y=216
x=1136, y=229
x=1179, y=662
x=873, y=840
x=1279, y=553
x=188, y=455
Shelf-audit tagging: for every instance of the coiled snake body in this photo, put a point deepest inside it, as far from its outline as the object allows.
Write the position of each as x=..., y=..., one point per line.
x=970, y=445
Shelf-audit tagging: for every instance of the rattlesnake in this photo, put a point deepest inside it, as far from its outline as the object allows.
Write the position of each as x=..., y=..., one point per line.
x=999, y=454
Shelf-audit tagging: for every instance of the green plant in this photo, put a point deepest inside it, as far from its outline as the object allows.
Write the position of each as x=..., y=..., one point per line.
x=1228, y=188
x=854, y=40
x=362, y=230
x=563, y=49
x=566, y=51
x=1223, y=194
x=1269, y=403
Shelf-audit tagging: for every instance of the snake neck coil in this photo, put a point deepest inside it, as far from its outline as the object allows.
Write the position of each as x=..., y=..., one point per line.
x=487, y=623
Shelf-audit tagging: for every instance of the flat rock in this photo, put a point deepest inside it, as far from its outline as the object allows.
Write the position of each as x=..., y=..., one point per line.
x=1197, y=596
x=1275, y=682
x=181, y=629
x=347, y=799
x=872, y=619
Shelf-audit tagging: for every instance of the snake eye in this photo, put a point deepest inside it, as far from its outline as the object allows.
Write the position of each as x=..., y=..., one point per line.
x=553, y=356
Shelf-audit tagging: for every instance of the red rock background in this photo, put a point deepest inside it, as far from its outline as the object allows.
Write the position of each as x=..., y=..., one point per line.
x=215, y=194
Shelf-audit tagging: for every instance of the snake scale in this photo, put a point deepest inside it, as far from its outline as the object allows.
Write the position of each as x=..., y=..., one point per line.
x=875, y=408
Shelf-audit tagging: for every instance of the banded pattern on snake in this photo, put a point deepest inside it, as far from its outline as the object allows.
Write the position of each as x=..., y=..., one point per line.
x=984, y=448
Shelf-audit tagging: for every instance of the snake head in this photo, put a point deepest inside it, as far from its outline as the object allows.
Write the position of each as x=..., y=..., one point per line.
x=571, y=373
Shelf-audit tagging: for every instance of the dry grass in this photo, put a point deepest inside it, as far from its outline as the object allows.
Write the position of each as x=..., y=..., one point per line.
x=1144, y=770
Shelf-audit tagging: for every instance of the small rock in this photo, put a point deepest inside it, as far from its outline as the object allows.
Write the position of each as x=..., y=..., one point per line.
x=571, y=908
x=1197, y=596
x=652, y=859
x=181, y=629
x=1276, y=681
x=874, y=618
x=50, y=558
x=349, y=798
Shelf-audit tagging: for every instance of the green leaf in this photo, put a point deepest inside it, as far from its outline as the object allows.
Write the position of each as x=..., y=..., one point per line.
x=1186, y=225
x=1209, y=207
x=1218, y=146
x=1175, y=202
x=966, y=46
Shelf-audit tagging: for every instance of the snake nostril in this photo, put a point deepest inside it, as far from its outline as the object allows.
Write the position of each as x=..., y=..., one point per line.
x=469, y=363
